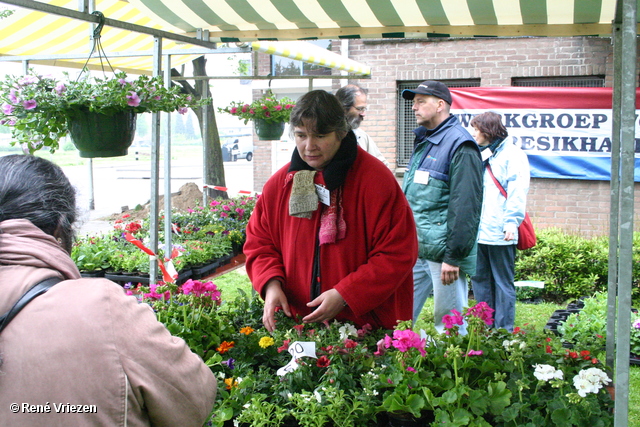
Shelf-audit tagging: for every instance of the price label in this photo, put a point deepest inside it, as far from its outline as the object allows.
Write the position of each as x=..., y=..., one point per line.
x=297, y=350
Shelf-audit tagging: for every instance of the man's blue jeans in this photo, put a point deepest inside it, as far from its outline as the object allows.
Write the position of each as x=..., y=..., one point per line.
x=426, y=279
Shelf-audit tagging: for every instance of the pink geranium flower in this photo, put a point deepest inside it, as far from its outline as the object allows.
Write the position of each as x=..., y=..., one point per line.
x=450, y=320
x=154, y=295
x=482, y=311
x=405, y=340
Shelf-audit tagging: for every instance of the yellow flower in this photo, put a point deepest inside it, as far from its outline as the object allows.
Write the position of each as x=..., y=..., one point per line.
x=246, y=330
x=230, y=382
x=266, y=342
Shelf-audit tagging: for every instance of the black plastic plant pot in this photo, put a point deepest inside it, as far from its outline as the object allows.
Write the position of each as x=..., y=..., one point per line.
x=101, y=135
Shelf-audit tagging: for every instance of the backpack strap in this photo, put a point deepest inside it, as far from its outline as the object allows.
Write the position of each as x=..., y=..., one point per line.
x=36, y=290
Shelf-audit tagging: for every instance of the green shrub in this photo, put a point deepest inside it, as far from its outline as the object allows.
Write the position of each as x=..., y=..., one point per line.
x=570, y=265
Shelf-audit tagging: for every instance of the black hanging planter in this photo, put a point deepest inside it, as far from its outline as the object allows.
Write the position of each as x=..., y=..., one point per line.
x=268, y=131
x=101, y=135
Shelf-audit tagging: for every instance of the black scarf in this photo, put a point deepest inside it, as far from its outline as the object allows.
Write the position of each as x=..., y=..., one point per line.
x=336, y=171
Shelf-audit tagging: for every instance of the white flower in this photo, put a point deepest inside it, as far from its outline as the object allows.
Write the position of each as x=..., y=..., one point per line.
x=584, y=386
x=347, y=331
x=636, y=324
x=509, y=344
x=590, y=381
x=547, y=372
x=317, y=395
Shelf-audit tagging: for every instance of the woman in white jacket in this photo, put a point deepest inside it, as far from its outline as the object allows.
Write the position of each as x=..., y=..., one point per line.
x=501, y=216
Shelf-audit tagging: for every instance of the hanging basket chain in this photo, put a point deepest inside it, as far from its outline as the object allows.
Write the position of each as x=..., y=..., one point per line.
x=97, y=44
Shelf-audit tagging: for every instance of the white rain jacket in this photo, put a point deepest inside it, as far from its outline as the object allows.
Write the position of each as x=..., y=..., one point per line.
x=499, y=215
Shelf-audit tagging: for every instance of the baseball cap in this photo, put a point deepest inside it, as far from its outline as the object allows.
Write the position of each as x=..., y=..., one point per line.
x=429, y=87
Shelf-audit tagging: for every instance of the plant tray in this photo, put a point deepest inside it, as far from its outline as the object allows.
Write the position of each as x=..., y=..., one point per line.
x=123, y=278
x=205, y=270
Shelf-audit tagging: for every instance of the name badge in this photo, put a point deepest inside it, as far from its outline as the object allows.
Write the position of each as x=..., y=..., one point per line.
x=323, y=194
x=421, y=177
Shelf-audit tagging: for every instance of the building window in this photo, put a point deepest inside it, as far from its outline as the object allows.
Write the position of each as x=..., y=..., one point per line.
x=566, y=81
x=282, y=66
x=407, y=120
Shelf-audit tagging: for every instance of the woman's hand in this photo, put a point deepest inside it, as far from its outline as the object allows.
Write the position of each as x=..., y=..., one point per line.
x=274, y=297
x=328, y=304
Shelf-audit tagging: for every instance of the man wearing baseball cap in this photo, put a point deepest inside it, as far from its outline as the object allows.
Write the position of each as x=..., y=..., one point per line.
x=443, y=184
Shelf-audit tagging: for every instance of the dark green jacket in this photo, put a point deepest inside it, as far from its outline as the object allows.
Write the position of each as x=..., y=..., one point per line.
x=447, y=208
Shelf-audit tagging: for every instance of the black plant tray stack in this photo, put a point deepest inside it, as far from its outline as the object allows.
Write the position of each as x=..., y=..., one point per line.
x=560, y=316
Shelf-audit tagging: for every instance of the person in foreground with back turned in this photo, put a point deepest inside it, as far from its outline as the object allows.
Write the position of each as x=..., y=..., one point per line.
x=332, y=236
x=83, y=353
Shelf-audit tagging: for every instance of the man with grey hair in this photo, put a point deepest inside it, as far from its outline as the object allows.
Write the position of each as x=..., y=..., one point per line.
x=354, y=101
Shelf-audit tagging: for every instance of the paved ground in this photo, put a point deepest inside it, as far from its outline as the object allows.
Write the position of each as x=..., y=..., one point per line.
x=129, y=184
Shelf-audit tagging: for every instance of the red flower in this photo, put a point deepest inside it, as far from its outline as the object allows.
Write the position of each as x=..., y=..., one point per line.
x=133, y=227
x=572, y=354
x=225, y=346
x=348, y=343
x=323, y=362
x=548, y=349
x=585, y=354
x=285, y=346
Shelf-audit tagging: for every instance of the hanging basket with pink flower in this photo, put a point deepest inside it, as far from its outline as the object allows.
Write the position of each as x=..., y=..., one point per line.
x=99, y=114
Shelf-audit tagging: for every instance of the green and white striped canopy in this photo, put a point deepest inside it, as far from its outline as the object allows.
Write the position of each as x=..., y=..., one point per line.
x=35, y=34
x=249, y=20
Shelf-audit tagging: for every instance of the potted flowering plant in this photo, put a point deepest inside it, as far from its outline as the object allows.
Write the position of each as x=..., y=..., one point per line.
x=189, y=312
x=491, y=377
x=268, y=114
x=43, y=109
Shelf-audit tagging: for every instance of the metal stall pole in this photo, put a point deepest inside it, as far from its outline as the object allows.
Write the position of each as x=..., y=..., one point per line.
x=626, y=13
x=155, y=169
x=204, y=35
x=614, y=213
x=88, y=6
x=166, y=133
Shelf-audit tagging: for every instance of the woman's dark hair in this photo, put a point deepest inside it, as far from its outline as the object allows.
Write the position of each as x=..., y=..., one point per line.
x=321, y=113
x=36, y=189
x=490, y=124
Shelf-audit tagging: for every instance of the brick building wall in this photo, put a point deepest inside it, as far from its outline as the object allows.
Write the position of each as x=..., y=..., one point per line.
x=262, y=149
x=575, y=206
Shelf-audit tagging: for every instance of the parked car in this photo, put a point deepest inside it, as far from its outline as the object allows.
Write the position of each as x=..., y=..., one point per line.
x=237, y=147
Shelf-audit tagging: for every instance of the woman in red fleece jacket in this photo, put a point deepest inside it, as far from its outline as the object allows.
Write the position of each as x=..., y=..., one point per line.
x=332, y=235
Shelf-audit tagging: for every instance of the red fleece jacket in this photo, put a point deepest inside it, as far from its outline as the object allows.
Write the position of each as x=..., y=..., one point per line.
x=371, y=267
